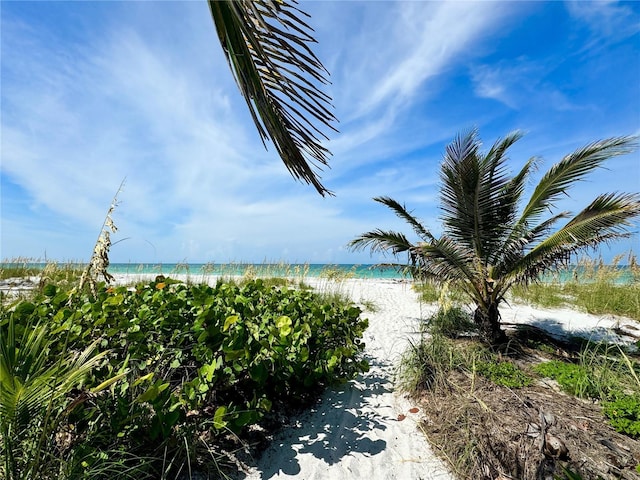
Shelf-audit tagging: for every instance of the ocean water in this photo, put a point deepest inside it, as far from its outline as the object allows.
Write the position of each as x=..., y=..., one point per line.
x=261, y=269
x=624, y=274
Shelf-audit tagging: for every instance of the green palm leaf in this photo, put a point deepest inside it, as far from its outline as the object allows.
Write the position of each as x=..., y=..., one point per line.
x=477, y=193
x=572, y=168
x=402, y=212
x=604, y=220
x=33, y=386
x=382, y=241
x=266, y=45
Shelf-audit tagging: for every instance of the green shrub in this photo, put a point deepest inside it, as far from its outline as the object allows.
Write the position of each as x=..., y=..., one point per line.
x=503, y=373
x=451, y=322
x=198, y=361
x=624, y=414
x=573, y=378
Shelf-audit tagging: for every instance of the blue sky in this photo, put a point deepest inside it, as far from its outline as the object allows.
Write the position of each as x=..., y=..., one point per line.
x=93, y=92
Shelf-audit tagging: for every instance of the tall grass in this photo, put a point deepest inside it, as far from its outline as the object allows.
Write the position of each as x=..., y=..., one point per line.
x=22, y=267
x=591, y=286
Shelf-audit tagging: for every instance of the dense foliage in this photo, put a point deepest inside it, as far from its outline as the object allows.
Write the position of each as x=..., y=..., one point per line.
x=612, y=381
x=192, y=363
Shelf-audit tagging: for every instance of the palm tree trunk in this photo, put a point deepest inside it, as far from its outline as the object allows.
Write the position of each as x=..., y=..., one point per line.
x=489, y=323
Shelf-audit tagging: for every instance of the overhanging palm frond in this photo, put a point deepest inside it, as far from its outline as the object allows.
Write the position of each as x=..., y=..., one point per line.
x=402, y=212
x=572, y=168
x=266, y=45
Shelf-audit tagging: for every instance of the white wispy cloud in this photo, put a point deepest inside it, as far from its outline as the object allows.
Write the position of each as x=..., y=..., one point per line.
x=609, y=20
x=520, y=83
x=142, y=91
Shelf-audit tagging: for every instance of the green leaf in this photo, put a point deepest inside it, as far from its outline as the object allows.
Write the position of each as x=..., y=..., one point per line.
x=208, y=370
x=49, y=290
x=218, y=418
x=284, y=325
x=24, y=309
x=259, y=373
x=333, y=361
x=144, y=378
x=231, y=320
x=265, y=404
x=149, y=395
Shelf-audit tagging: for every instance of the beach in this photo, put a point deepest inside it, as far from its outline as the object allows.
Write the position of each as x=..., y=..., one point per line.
x=366, y=429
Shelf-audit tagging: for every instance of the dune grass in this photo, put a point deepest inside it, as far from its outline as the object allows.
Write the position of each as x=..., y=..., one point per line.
x=590, y=285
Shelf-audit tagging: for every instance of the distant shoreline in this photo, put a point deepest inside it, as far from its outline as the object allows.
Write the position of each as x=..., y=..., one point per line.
x=295, y=270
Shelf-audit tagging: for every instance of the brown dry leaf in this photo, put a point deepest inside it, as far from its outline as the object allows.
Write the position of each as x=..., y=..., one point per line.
x=401, y=417
x=414, y=410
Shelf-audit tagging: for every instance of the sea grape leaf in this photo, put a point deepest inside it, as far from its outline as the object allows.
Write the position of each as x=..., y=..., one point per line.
x=230, y=321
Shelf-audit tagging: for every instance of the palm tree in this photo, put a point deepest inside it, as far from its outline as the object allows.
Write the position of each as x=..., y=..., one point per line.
x=34, y=385
x=490, y=242
x=266, y=45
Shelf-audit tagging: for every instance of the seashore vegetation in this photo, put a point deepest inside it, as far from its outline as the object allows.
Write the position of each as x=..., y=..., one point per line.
x=448, y=366
x=169, y=376
x=540, y=407
x=487, y=407
x=161, y=378
x=493, y=237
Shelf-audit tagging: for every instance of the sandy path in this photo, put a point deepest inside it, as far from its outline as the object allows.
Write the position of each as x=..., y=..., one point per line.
x=353, y=432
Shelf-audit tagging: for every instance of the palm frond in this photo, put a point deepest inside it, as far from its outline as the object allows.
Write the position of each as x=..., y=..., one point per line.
x=402, y=212
x=500, y=147
x=572, y=168
x=518, y=245
x=447, y=260
x=381, y=241
x=266, y=45
x=477, y=197
x=610, y=211
x=604, y=220
x=515, y=235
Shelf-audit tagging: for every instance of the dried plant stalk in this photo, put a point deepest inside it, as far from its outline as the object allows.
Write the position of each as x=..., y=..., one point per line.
x=99, y=262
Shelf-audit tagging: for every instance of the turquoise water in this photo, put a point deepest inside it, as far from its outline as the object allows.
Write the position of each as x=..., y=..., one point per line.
x=238, y=269
x=336, y=271
x=261, y=269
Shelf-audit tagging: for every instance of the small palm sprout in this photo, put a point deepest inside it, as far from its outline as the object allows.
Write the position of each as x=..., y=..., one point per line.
x=490, y=242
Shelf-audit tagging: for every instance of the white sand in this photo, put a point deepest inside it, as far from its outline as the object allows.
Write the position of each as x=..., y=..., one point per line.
x=354, y=432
